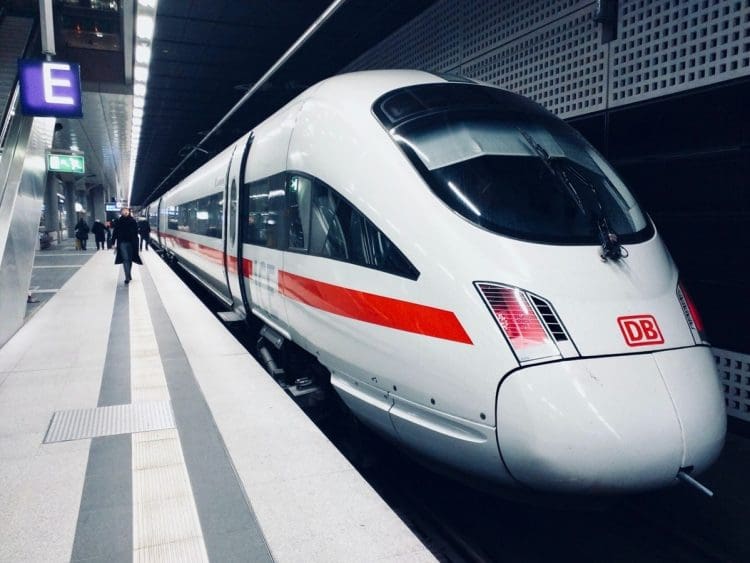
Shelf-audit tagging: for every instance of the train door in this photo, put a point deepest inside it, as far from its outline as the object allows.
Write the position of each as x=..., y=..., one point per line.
x=159, y=225
x=238, y=267
x=263, y=241
x=230, y=230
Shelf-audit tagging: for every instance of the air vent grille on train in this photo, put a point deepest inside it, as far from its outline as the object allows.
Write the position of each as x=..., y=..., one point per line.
x=549, y=318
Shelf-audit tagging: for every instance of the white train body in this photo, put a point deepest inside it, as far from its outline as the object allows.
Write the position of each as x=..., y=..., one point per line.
x=605, y=385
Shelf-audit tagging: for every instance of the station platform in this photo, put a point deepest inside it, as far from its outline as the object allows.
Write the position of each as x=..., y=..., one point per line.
x=134, y=427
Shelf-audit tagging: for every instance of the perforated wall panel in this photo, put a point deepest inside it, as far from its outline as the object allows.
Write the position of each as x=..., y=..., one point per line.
x=489, y=25
x=428, y=42
x=562, y=65
x=552, y=50
x=667, y=46
x=734, y=375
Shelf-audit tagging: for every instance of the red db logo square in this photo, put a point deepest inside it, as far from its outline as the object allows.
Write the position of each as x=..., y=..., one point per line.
x=640, y=330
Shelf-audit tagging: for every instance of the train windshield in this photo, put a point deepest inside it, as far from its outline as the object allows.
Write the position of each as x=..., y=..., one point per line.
x=508, y=166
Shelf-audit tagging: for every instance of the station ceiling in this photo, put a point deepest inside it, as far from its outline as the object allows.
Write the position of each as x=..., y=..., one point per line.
x=206, y=53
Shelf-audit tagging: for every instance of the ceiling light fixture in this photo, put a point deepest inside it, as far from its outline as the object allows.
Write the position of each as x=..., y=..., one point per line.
x=143, y=54
x=144, y=26
x=140, y=73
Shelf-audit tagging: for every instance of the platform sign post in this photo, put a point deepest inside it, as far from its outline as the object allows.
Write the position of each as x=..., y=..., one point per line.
x=72, y=163
x=50, y=88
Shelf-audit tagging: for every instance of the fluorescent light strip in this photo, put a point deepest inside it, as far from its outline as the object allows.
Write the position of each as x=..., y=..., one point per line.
x=145, y=24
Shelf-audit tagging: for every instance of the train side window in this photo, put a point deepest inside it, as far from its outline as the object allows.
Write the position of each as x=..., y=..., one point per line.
x=153, y=217
x=173, y=213
x=211, y=214
x=185, y=216
x=370, y=247
x=265, y=211
x=338, y=230
x=257, y=212
x=329, y=214
x=298, y=194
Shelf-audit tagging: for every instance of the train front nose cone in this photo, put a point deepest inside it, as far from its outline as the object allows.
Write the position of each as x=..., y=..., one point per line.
x=604, y=425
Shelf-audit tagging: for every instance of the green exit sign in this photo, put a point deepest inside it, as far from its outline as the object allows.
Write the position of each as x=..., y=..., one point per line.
x=66, y=163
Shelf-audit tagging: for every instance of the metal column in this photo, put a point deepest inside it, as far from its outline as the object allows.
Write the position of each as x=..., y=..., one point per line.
x=70, y=207
x=23, y=172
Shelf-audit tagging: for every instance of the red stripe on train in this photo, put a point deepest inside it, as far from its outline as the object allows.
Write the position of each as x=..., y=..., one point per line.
x=375, y=309
x=212, y=254
x=351, y=303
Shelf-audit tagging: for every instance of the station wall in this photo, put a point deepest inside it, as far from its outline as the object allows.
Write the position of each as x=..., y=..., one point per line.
x=662, y=91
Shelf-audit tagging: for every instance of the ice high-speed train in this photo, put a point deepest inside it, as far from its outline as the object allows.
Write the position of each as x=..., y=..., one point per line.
x=480, y=284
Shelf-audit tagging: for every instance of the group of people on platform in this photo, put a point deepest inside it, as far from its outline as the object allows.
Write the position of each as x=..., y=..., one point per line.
x=123, y=233
x=103, y=233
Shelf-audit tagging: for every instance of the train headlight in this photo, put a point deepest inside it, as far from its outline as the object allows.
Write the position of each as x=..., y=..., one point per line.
x=692, y=316
x=528, y=322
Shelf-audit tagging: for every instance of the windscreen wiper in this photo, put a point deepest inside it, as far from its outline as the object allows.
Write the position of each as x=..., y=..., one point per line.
x=547, y=161
x=611, y=247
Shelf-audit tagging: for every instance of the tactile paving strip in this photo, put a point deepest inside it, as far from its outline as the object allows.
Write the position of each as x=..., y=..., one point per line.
x=109, y=421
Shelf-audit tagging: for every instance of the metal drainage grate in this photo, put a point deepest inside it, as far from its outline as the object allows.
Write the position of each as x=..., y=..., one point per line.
x=109, y=421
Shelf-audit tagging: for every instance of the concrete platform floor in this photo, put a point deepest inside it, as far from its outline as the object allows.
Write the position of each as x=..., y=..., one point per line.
x=231, y=470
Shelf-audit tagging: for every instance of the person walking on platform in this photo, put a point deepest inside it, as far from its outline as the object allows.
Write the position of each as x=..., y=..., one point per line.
x=98, y=230
x=125, y=237
x=82, y=232
x=144, y=230
x=108, y=227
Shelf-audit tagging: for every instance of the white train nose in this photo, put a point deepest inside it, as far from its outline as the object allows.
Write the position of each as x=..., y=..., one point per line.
x=611, y=425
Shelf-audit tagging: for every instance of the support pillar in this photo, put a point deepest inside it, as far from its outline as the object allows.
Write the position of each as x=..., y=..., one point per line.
x=90, y=215
x=98, y=199
x=51, y=214
x=70, y=208
x=23, y=179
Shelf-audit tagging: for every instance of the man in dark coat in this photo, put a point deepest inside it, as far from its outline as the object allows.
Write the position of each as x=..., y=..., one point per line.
x=125, y=236
x=144, y=229
x=98, y=230
x=82, y=232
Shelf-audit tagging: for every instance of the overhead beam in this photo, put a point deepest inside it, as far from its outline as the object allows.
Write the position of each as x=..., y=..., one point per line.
x=317, y=24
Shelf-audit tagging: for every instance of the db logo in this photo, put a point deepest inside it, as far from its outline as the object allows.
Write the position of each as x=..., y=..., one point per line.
x=640, y=330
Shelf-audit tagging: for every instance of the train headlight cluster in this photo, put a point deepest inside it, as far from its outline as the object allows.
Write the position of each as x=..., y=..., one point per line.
x=692, y=316
x=518, y=315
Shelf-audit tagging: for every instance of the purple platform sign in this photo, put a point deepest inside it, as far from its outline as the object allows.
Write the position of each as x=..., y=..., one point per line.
x=50, y=88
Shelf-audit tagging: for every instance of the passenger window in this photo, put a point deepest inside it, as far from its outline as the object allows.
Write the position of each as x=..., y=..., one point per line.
x=298, y=189
x=211, y=210
x=173, y=214
x=338, y=230
x=257, y=212
x=266, y=208
x=370, y=247
x=329, y=214
x=200, y=217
